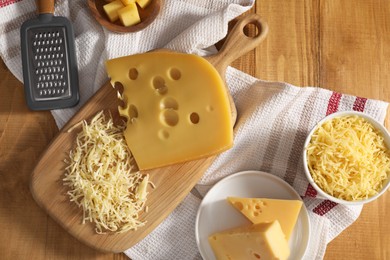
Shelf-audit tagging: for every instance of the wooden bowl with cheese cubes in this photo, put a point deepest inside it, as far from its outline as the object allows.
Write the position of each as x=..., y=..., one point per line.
x=125, y=16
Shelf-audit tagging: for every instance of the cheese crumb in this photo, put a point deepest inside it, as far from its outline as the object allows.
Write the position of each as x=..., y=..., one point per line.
x=102, y=180
x=348, y=159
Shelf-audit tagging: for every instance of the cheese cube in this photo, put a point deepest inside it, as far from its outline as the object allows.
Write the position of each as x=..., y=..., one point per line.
x=263, y=241
x=128, y=2
x=143, y=3
x=129, y=15
x=259, y=210
x=112, y=8
x=176, y=106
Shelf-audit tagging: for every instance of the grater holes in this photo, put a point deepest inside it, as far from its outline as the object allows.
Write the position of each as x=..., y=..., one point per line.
x=50, y=64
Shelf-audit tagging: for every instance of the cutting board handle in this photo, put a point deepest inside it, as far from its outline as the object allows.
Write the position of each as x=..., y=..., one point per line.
x=238, y=43
x=45, y=6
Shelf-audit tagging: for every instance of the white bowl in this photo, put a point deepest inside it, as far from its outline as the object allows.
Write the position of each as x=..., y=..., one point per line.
x=322, y=193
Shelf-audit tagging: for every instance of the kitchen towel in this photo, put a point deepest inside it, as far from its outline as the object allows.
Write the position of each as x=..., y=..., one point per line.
x=274, y=117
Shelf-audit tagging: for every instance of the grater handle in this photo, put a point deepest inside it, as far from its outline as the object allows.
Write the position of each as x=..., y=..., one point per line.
x=45, y=6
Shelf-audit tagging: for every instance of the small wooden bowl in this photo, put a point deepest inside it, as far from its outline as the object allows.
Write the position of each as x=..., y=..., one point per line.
x=147, y=16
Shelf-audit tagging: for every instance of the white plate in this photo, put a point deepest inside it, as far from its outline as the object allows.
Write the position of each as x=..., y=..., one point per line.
x=216, y=214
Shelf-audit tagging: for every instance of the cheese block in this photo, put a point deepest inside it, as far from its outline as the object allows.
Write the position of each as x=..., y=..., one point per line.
x=176, y=106
x=263, y=241
x=129, y=14
x=128, y=2
x=143, y=3
x=112, y=8
x=259, y=210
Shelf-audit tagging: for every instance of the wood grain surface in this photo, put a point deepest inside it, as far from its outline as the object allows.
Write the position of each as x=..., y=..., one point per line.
x=338, y=45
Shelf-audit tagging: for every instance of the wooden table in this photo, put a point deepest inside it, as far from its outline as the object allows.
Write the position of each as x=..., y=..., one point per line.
x=338, y=45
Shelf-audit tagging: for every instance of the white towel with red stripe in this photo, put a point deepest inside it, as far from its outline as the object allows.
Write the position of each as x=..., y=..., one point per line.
x=274, y=118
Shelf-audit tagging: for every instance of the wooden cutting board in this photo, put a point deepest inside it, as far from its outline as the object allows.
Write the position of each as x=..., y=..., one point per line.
x=172, y=183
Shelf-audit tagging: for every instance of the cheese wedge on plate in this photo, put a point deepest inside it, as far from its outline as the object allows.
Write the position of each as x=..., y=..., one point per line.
x=259, y=210
x=263, y=241
x=176, y=106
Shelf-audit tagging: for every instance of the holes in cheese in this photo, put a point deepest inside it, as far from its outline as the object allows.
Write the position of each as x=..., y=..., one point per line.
x=163, y=134
x=175, y=74
x=169, y=103
x=194, y=118
x=170, y=117
x=133, y=113
x=159, y=85
x=119, y=87
x=133, y=73
x=183, y=107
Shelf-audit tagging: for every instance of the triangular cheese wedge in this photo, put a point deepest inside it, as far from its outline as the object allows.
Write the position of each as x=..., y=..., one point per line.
x=176, y=105
x=259, y=210
x=259, y=241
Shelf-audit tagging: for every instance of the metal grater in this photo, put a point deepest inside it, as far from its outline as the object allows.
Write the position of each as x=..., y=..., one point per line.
x=50, y=71
x=50, y=80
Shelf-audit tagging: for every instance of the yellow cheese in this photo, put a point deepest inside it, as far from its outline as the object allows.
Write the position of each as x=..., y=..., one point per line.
x=112, y=8
x=129, y=15
x=348, y=158
x=176, y=106
x=263, y=241
x=101, y=178
x=259, y=210
x=128, y=2
x=143, y=3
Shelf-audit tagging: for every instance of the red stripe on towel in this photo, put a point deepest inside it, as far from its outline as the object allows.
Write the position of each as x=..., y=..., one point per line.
x=333, y=106
x=324, y=207
x=359, y=104
x=333, y=103
x=310, y=191
x=4, y=3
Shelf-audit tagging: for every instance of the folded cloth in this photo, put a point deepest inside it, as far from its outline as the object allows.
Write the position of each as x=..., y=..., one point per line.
x=273, y=117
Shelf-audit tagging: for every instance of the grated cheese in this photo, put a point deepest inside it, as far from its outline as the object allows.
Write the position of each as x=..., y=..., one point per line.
x=348, y=159
x=102, y=180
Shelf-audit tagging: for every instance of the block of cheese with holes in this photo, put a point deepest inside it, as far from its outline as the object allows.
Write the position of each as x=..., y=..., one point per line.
x=259, y=210
x=176, y=106
x=263, y=241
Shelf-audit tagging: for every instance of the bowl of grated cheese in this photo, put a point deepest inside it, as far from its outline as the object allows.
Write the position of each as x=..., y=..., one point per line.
x=346, y=158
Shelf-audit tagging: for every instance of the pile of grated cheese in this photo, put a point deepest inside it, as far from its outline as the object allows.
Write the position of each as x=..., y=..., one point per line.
x=348, y=159
x=101, y=178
